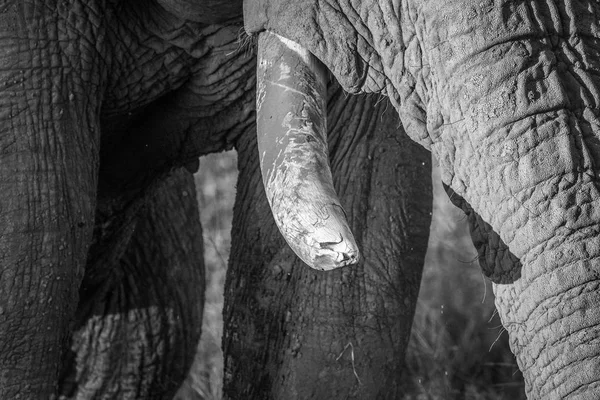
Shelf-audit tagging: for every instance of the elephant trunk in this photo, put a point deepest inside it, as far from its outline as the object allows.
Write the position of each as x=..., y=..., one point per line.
x=553, y=319
x=292, y=144
x=513, y=114
x=534, y=179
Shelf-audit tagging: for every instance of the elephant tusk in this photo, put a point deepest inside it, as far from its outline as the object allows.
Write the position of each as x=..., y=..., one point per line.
x=292, y=144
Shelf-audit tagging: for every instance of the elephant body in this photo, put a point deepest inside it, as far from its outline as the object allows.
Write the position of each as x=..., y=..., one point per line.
x=138, y=323
x=100, y=100
x=101, y=271
x=101, y=281
x=505, y=94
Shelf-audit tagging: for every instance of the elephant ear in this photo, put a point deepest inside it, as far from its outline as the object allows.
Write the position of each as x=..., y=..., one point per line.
x=497, y=262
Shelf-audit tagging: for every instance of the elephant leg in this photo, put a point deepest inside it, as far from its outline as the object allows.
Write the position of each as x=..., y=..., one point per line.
x=295, y=333
x=138, y=330
x=48, y=166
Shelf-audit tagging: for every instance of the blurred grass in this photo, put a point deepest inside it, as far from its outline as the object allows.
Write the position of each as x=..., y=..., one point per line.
x=457, y=349
x=215, y=187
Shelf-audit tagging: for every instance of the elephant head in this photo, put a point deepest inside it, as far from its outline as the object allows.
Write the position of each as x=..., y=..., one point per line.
x=506, y=95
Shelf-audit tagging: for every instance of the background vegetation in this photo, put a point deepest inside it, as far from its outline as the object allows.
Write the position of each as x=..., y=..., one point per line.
x=457, y=350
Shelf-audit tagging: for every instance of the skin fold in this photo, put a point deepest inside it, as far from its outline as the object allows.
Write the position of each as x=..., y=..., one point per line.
x=505, y=94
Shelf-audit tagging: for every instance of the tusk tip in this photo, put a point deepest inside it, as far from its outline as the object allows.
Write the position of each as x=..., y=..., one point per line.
x=333, y=256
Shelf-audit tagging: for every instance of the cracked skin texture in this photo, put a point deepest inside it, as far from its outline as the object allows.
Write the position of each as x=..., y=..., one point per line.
x=124, y=93
x=99, y=103
x=506, y=94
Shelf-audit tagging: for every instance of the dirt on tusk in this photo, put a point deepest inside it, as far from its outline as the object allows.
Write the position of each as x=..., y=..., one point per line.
x=292, y=143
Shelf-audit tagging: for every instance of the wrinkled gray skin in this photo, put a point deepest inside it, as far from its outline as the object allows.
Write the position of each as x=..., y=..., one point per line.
x=101, y=273
x=506, y=95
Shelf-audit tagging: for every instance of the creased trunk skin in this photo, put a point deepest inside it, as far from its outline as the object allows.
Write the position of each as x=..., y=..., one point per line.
x=136, y=331
x=296, y=333
x=48, y=163
x=291, y=130
x=517, y=134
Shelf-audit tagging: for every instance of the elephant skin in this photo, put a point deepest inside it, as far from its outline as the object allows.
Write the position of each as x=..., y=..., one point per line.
x=101, y=270
x=137, y=328
x=506, y=95
x=295, y=333
x=101, y=273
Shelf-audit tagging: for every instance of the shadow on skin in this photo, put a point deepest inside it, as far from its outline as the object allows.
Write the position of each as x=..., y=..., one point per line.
x=140, y=311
